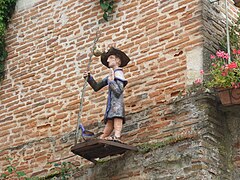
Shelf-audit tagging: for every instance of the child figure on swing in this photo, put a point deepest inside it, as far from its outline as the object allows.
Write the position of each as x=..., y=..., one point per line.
x=114, y=117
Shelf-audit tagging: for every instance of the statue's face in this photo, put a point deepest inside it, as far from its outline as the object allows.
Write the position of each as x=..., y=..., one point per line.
x=113, y=61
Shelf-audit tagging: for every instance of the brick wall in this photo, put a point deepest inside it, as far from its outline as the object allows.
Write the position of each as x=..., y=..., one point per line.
x=49, y=44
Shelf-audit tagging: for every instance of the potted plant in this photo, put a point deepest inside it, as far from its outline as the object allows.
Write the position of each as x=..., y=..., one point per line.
x=224, y=73
x=226, y=76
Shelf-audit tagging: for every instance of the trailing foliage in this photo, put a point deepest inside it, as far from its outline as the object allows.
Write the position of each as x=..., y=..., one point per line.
x=11, y=170
x=107, y=7
x=234, y=32
x=6, y=10
x=62, y=171
x=147, y=147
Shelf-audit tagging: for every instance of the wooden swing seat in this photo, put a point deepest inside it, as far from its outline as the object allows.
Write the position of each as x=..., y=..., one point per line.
x=99, y=148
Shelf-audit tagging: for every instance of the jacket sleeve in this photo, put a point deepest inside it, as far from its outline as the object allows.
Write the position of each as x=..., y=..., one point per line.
x=97, y=85
x=117, y=87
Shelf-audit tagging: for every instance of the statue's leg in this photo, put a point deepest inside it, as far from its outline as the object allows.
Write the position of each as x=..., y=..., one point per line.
x=118, y=124
x=107, y=130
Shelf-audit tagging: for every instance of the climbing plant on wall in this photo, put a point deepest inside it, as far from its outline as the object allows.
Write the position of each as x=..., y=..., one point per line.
x=107, y=7
x=234, y=32
x=6, y=10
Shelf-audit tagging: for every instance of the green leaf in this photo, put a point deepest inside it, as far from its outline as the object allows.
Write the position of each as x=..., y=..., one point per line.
x=104, y=6
x=56, y=164
x=105, y=16
x=9, y=159
x=3, y=175
x=110, y=10
x=20, y=173
x=9, y=169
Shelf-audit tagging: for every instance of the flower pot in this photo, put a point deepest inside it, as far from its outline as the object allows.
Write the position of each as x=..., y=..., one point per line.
x=237, y=3
x=229, y=96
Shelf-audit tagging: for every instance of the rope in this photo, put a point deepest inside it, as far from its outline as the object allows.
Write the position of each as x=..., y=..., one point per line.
x=227, y=29
x=84, y=86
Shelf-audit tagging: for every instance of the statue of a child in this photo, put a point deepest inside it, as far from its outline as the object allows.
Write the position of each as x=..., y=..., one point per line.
x=114, y=117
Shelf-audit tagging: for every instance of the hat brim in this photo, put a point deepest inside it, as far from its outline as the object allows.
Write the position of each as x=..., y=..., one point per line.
x=113, y=51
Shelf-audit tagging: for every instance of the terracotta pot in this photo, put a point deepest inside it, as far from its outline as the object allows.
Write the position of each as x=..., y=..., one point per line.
x=229, y=96
x=237, y=3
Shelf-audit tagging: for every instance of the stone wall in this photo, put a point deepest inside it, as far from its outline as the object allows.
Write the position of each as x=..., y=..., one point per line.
x=49, y=44
x=231, y=138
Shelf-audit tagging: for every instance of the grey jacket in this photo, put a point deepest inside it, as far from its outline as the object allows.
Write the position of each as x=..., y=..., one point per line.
x=115, y=103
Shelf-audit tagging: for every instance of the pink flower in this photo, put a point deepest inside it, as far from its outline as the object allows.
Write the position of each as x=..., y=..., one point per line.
x=225, y=56
x=224, y=73
x=201, y=71
x=212, y=56
x=232, y=65
x=220, y=53
x=198, y=81
x=214, y=65
x=234, y=85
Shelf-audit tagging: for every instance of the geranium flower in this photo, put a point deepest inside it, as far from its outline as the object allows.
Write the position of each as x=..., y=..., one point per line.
x=232, y=65
x=235, y=51
x=214, y=65
x=220, y=54
x=212, y=56
x=225, y=75
x=198, y=81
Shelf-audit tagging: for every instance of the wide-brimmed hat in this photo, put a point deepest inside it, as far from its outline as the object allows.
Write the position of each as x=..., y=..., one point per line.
x=113, y=51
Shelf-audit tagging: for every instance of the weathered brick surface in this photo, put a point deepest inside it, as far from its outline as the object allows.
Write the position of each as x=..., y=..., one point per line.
x=49, y=44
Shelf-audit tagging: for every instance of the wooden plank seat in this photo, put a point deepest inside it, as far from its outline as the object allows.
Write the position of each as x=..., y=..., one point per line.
x=99, y=148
